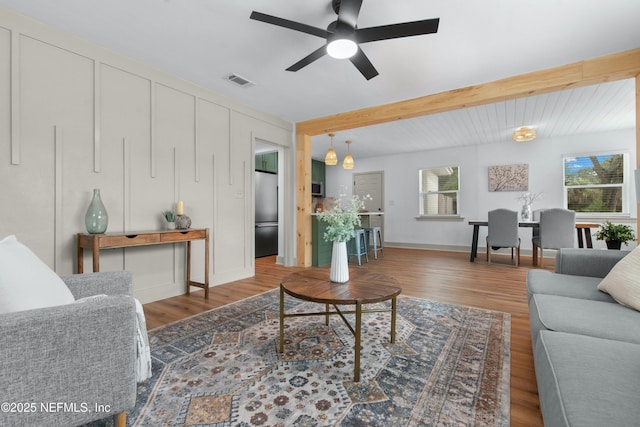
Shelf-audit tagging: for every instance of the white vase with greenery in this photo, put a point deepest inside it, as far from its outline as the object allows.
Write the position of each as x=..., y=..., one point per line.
x=341, y=222
x=339, y=272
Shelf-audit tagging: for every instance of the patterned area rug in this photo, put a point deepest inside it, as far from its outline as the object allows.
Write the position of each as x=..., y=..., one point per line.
x=449, y=366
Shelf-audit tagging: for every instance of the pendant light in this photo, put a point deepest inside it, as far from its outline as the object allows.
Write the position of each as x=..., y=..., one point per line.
x=331, y=158
x=347, y=163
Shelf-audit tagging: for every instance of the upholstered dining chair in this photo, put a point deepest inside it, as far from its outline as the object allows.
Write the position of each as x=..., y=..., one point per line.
x=557, y=230
x=503, y=232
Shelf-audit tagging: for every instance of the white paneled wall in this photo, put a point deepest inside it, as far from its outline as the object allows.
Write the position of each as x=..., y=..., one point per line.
x=74, y=117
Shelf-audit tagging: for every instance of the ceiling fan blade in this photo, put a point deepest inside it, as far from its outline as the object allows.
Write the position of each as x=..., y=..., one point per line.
x=348, y=15
x=394, y=31
x=363, y=65
x=292, y=25
x=315, y=55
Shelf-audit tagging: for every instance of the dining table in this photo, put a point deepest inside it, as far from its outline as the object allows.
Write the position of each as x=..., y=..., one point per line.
x=582, y=228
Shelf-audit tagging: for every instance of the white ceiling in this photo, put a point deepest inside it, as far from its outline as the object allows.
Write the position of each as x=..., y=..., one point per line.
x=477, y=42
x=598, y=108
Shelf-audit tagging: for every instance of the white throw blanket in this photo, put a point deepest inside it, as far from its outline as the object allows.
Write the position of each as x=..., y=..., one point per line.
x=143, y=356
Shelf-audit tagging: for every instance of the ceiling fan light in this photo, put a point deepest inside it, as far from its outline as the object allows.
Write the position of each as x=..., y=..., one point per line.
x=331, y=159
x=523, y=134
x=342, y=48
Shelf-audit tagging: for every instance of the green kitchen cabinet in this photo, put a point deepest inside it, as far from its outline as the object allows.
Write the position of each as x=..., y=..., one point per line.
x=267, y=162
x=320, y=250
x=318, y=173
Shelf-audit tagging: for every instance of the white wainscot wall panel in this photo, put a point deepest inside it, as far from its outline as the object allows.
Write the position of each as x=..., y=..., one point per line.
x=89, y=118
x=5, y=101
x=56, y=98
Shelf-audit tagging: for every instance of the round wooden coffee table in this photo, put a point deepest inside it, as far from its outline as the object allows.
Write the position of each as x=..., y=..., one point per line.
x=362, y=288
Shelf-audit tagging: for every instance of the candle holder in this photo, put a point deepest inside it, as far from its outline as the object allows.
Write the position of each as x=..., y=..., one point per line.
x=180, y=208
x=183, y=222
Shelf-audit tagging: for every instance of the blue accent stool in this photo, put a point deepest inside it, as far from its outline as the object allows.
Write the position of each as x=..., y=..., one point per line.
x=375, y=233
x=358, y=246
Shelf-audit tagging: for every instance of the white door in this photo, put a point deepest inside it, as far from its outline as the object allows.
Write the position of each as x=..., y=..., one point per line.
x=371, y=183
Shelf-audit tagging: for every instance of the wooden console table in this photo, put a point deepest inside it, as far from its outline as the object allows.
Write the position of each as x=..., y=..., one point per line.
x=95, y=242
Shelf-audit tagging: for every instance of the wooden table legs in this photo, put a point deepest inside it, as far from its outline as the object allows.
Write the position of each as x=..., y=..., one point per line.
x=474, y=243
x=357, y=331
x=357, y=335
x=281, y=340
x=587, y=237
x=188, y=280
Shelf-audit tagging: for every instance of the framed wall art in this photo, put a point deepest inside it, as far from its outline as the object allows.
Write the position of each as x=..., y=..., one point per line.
x=509, y=178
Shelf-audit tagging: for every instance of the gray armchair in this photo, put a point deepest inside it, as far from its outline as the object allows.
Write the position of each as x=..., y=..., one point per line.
x=71, y=364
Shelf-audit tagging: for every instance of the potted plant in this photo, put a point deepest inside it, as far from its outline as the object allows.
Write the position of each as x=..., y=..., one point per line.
x=615, y=234
x=341, y=220
x=170, y=217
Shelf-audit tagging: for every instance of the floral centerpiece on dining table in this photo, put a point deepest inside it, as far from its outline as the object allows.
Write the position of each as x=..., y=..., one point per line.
x=527, y=199
x=342, y=220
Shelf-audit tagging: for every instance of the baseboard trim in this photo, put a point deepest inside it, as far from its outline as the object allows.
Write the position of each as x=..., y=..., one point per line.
x=548, y=253
x=151, y=293
x=427, y=246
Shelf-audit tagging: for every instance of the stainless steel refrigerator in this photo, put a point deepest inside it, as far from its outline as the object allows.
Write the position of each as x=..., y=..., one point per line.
x=266, y=214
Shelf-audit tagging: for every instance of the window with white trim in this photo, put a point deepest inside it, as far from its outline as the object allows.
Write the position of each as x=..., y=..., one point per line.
x=596, y=184
x=439, y=191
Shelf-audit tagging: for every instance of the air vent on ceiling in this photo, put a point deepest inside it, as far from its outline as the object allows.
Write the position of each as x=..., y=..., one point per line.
x=239, y=80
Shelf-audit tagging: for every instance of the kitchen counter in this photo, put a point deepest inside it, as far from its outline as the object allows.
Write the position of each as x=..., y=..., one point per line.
x=321, y=250
x=359, y=213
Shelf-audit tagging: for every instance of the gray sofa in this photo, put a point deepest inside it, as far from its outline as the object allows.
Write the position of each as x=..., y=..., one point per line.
x=58, y=363
x=586, y=346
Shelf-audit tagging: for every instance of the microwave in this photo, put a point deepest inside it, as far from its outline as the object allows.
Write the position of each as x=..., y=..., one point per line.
x=317, y=189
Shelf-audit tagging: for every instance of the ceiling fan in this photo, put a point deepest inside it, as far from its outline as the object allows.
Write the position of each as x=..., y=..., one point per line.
x=344, y=37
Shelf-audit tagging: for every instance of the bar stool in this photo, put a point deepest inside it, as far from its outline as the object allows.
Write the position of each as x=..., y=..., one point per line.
x=357, y=246
x=376, y=234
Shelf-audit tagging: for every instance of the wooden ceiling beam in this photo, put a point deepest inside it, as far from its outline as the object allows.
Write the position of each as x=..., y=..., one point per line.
x=618, y=66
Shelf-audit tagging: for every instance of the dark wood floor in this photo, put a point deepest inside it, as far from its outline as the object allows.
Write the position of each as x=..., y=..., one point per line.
x=435, y=275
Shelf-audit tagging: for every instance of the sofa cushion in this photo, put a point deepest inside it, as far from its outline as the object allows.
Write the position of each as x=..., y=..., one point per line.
x=586, y=381
x=587, y=262
x=549, y=283
x=623, y=281
x=26, y=282
x=585, y=317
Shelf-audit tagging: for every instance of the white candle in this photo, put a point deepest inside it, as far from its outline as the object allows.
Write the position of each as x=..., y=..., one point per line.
x=180, y=208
